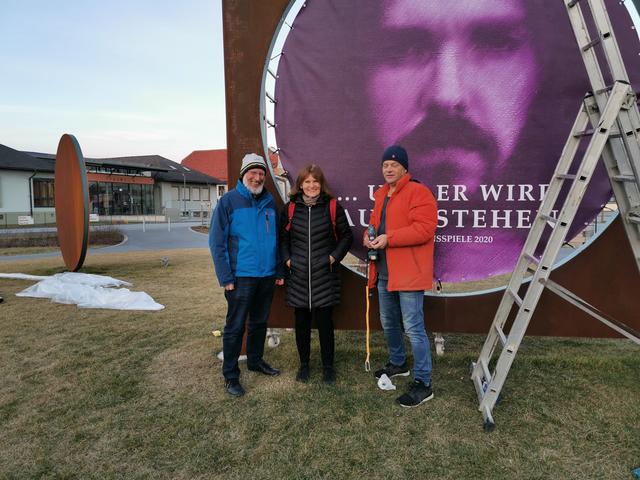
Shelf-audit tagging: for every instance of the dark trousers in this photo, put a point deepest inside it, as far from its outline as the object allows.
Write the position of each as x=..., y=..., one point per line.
x=250, y=298
x=324, y=322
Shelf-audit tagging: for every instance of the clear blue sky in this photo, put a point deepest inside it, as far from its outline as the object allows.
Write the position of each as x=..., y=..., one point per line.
x=126, y=77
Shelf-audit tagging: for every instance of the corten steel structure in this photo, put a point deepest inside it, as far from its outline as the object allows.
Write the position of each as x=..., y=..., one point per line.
x=72, y=202
x=603, y=274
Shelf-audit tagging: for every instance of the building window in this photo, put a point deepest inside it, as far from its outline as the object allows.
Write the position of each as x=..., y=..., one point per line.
x=205, y=195
x=195, y=193
x=147, y=192
x=185, y=193
x=135, y=194
x=43, y=192
x=175, y=193
x=94, y=198
x=120, y=198
x=221, y=190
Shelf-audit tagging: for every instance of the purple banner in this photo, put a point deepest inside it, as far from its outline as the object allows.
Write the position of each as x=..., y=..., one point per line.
x=481, y=93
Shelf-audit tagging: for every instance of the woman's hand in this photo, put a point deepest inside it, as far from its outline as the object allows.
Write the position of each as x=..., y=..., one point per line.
x=331, y=260
x=288, y=263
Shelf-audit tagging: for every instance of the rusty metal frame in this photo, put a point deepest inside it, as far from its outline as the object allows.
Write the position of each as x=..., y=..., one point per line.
x=604, y=274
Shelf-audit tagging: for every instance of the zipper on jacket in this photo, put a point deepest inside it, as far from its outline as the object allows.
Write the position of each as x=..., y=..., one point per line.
x=309, y=255
x=266, y=216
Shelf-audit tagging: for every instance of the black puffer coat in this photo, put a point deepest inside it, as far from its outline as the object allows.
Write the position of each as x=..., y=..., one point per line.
x=312, y=281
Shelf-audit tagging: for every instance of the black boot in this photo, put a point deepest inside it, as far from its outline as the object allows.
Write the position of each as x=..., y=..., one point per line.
x=303, y=373
x=329, y=375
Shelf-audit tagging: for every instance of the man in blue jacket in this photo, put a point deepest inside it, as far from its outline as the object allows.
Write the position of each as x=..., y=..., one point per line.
x=242, y=239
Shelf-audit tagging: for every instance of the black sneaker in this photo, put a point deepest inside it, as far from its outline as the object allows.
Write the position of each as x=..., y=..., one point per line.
x=329, y=375
x=303, y=373
x=233, y=387
x=418, y=393
x=393, y=370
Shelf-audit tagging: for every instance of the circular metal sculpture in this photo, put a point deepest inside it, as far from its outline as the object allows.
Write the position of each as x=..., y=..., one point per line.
x=72, y=202
x=482, y=95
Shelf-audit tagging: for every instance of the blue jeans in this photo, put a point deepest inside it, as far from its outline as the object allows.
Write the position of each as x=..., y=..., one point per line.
x=250, y=298
x=396, y=309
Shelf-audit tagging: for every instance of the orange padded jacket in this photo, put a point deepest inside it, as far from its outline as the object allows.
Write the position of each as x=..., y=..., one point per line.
x=411, y=221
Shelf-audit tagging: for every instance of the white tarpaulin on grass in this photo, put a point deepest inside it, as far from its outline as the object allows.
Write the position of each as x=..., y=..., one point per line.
x=87, y=291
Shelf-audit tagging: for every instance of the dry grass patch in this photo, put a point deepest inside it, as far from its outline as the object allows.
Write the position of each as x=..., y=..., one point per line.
x=29, y=243
x=107, y=394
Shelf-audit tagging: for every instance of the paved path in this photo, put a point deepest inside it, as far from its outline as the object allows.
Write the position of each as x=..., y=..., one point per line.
x=156, y=237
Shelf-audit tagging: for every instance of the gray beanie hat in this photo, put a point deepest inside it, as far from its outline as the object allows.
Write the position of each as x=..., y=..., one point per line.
x=252, y=160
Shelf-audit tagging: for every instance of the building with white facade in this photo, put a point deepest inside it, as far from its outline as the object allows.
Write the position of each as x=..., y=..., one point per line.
x=123, y=188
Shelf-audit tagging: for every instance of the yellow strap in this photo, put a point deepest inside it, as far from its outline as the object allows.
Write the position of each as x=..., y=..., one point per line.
x=367, y=365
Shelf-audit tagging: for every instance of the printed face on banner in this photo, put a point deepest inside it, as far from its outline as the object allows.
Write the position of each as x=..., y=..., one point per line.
x=440, y=88
x=481, y=93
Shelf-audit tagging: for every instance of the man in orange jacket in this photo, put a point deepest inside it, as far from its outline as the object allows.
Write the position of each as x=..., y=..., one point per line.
x=405, y=217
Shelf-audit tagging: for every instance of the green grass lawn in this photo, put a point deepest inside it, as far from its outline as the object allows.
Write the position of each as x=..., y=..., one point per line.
x=108, y=394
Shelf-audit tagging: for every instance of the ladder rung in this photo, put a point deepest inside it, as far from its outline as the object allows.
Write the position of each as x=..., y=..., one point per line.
x=590, y=131
x=591, y=44
x=583, y=133
x=608, y=88
x=501, y=335
x=624, y=178
x=566, y=176
x=531, y=258
x=515, y=297
x=549, y=218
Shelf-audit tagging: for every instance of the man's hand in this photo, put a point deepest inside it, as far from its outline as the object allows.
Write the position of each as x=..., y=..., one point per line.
x=288, y=263
x=365, y=240
x=380, y=242
x=331, y=260
x=229, y=287
x=279, y=281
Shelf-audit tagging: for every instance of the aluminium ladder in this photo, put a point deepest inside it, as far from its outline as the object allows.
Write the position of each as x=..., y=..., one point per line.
x=613, y=114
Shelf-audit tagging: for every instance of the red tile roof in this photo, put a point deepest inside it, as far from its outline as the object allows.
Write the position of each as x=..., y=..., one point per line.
x=209, y=162
x=214, y=162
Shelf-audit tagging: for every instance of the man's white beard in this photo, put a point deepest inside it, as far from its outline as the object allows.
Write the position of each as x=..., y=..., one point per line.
x=253, y=190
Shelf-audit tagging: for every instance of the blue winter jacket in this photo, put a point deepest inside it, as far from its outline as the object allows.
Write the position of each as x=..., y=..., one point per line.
x=243, y=235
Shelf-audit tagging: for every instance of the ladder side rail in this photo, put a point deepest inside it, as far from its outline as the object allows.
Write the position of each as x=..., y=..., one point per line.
x=533, y=239
x=589, y=56
x=609, y=43
x=615, y=157
x=558, y=234
x=627, y=193
x=618, y=96
x=629, y=164
x=586, y=307
x=631, y=122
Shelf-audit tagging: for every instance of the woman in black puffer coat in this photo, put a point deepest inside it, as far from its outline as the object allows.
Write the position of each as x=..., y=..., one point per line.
x=312, y=247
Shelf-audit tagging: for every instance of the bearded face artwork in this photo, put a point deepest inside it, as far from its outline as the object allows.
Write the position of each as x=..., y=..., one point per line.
x=481, y=93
